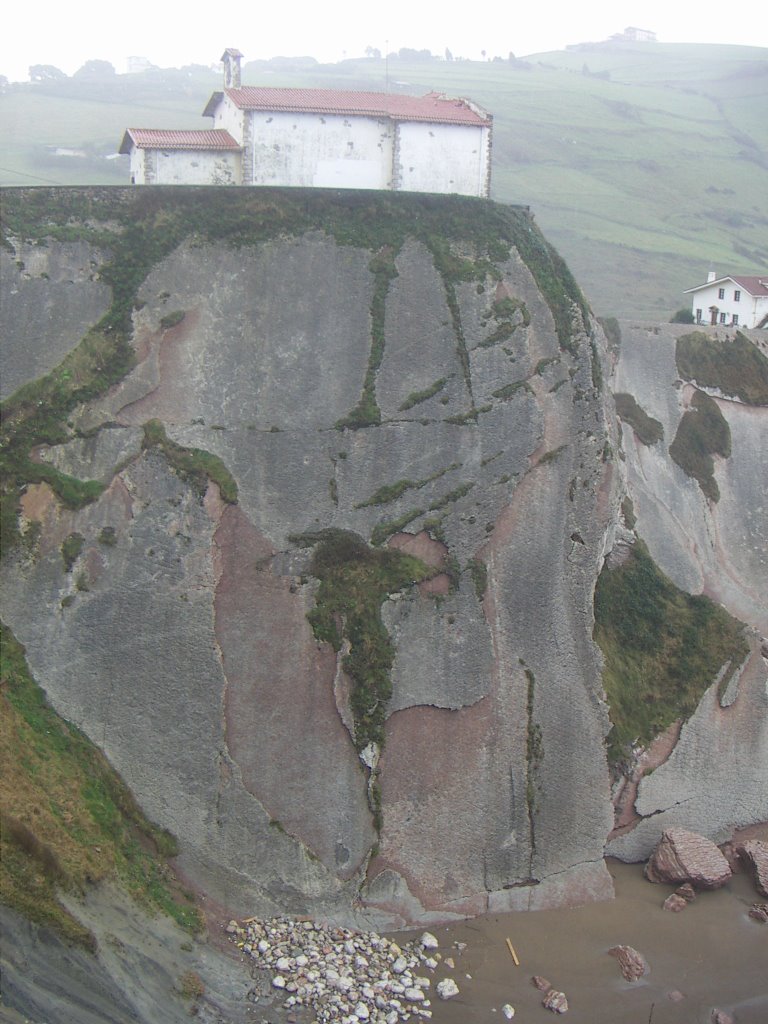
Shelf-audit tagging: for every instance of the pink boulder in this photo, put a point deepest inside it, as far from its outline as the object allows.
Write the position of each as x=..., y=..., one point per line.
x=633, y=964
x=555, y=1001
x=675, y=903
x=754, y=854
x=683, y=856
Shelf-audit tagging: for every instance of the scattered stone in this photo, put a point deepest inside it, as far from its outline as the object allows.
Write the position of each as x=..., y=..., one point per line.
x=428, y=941
x=759, y=912
x=541, y=983
x=721, y=1017
x=508, y=1011
x=754, y=854
x=555, y=1001
x=447, y=988
x=449, y=962
x=460, y=946
x=683, y=856
x=675, y=997
x=675, y=903
x=687, y=892
x=340, y=976
x=633, y=964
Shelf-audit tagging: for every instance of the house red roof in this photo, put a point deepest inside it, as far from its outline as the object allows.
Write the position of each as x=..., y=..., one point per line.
x=434, y=107
x=757, y=286
x=165, y=138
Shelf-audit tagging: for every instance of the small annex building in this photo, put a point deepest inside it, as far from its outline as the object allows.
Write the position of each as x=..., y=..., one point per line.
x=324, y=138
x=734, y=301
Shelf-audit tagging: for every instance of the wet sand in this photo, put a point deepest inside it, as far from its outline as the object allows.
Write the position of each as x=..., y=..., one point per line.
x=711, y=952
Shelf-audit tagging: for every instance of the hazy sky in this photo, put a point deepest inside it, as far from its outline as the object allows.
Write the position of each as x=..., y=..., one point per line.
x=172, y=34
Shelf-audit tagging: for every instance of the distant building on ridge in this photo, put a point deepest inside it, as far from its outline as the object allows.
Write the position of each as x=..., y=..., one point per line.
x=326, y=138
x=733, y=301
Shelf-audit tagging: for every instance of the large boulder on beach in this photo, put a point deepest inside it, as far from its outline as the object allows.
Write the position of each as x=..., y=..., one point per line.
x=683, y=856
x=754, y=855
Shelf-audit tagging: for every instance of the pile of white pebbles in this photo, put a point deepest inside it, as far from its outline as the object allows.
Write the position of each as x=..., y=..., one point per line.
x=344, y=977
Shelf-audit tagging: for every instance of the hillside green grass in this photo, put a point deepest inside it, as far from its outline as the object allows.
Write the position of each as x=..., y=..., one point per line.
x=644, y=163
x=663, y=649
x=68, y=820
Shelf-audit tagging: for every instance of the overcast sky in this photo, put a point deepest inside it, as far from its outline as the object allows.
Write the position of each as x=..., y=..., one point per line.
x=172, y=34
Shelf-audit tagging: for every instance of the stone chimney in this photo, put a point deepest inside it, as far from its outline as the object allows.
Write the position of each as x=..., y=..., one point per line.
x=231, y=60
x=711, y=276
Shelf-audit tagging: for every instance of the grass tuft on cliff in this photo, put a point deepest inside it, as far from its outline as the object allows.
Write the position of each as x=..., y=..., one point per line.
x=734, y=367
x=355, y=581
x=68, y=820
x=663, y=649
x=703, y=432
x=647, y=429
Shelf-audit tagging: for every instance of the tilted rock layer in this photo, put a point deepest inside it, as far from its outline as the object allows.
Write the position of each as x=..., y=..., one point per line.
x=179, y=639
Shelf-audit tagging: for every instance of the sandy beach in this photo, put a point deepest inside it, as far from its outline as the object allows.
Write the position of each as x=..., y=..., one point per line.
x=712, y=953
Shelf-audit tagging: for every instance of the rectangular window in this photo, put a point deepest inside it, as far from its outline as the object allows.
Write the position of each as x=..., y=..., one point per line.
x=698, y=316
x=722, y=318
x=737, y=296
x=735, y=319
x=721, y=293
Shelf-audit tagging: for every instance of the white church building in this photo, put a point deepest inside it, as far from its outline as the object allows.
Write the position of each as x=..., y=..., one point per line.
x=325, y=138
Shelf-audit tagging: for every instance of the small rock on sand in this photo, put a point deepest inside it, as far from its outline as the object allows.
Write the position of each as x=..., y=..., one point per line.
x=447, y=988
x=508, y=1011
x=555, y=1001
x=675, y=903
x=633, y=964
x=541, y=983
x=754, y=854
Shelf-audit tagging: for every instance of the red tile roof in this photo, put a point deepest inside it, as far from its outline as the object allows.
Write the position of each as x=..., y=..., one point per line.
x=757, y=286
x=753, y=285
x=165, y=138
x=434, y=107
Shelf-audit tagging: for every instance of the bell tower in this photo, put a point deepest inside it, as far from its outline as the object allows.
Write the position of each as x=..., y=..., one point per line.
x=231, y=60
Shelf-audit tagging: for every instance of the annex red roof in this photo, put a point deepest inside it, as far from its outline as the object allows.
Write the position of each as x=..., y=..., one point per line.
x=756, y=286
x=433, y=107
x=171, y=138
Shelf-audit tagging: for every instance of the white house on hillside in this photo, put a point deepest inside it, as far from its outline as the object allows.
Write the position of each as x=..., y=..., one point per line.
x=735, y=301
x=324, y=138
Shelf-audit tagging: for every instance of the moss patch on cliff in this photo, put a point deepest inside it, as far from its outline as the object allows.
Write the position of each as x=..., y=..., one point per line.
x=703, y=432
x=734, y=367
x=355, y=580
x=663, y=648
x=194, y=465
x=67, y=817
x=647, y=429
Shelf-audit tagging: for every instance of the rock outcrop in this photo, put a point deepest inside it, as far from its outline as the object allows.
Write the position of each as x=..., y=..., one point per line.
x=716, y=776
x=286, y=383
x=754, y=855
x=683, y=856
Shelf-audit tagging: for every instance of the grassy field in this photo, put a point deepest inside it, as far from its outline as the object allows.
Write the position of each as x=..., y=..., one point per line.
x=645, y=164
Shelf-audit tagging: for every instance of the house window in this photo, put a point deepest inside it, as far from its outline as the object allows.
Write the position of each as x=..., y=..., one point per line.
x=735, y=319
x=737, y=296
x=723, y=317
x=698, y=316
x=721, y=293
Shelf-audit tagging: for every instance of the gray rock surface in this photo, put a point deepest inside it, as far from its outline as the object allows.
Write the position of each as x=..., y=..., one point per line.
x=52, y=295
x=197, y=672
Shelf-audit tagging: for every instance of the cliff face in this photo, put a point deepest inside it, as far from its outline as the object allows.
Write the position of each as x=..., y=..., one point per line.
x=429, y=391
x=709, y=536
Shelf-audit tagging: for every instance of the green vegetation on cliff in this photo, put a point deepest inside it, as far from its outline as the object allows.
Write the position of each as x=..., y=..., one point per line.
x=67, y=818
x=647, y=429
x=355, y=580
x=703, y=432
x=734, y=367
x=195, y=465
x=140, y=227
x=662, y=647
